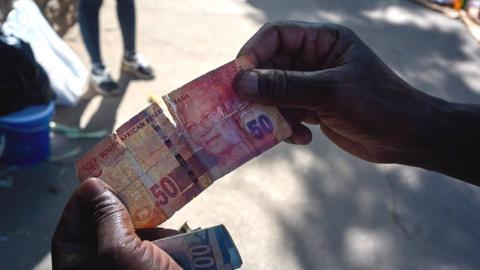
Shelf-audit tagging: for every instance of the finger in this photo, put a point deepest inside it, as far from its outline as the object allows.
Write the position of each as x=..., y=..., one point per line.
x=301, y=135
x=286, y=88
x=110, y=217
x=115, y=244
x=301, y=115
x=152, y=234
x=73, y=218
x=311, y=41
x=72, y=242
x=75, y=222
x=118, y=245
x=347, y=144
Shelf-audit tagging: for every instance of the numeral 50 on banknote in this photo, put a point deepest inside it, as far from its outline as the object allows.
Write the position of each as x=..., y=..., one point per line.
x=260, y=126
x=164, y=190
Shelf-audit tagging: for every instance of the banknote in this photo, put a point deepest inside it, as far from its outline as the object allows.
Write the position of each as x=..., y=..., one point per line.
x=206, y=249
x=149, y=165
x=213, y=118
x=157, y=167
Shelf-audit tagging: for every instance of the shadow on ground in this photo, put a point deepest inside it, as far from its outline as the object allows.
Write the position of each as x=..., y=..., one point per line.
x=364, y=216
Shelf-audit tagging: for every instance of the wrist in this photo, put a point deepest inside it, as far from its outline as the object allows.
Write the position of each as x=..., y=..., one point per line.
x=446, y=139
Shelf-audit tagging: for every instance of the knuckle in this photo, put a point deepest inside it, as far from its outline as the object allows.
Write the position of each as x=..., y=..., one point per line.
x=269, y=26
x=282, y=82
x=345, y=29
x=105, y=208
x=276, y=23
x=347, y=33
x=342, y=30
x=272, y=84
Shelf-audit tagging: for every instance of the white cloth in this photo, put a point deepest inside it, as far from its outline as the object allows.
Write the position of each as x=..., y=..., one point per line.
x=65, y=70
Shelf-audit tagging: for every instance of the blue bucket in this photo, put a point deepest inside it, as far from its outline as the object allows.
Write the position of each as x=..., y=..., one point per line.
x=25, y=135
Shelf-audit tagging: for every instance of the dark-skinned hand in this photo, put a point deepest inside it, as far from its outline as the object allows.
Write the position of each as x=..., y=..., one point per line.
x=96, y=232
x=323, y=74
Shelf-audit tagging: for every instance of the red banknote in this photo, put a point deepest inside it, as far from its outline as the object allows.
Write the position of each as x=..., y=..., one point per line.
x=157, y=167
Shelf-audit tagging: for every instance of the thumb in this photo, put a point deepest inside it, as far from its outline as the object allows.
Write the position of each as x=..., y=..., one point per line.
x=91, y=214
x=286, y=88
x=119, y=247
x=109, y=216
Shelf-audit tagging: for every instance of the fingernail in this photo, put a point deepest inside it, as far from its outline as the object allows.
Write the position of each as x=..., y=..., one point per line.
x=247, y=83
x=92, y=188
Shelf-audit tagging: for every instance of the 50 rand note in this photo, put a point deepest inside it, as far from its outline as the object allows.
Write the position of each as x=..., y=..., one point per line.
x=157, y=167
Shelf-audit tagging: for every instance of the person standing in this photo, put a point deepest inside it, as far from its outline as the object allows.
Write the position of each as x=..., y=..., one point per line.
x=132, y=61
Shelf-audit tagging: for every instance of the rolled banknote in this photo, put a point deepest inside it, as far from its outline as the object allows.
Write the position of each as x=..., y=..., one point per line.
x=207, y=249
x=156, y=167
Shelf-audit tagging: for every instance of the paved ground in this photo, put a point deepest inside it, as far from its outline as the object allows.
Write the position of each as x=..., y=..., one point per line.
x=293, y=208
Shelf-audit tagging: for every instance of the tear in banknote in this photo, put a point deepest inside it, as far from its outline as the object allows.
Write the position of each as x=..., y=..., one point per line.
x=208, y=249
x=156, y=168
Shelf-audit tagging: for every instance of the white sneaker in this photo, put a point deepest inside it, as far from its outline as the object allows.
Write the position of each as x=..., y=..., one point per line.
x=102, y=82
x=138, y=67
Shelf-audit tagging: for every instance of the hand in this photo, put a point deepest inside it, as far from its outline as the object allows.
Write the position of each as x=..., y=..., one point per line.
x=96, y=232
x=325, y=75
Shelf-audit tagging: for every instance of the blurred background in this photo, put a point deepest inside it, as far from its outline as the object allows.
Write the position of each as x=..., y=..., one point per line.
x=294, y=207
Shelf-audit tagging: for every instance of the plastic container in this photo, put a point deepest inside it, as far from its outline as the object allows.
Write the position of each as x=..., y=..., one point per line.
x=25, y=135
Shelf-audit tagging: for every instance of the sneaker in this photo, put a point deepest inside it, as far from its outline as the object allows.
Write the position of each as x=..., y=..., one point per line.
x=102, y=82
x=138, y=66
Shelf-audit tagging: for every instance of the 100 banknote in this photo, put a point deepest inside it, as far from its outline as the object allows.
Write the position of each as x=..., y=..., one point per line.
x=205, y=249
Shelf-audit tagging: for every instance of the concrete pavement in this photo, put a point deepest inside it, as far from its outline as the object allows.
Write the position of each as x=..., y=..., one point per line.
x=312, y=207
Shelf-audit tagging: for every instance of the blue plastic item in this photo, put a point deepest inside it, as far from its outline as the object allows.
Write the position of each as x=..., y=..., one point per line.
x=25, y=135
